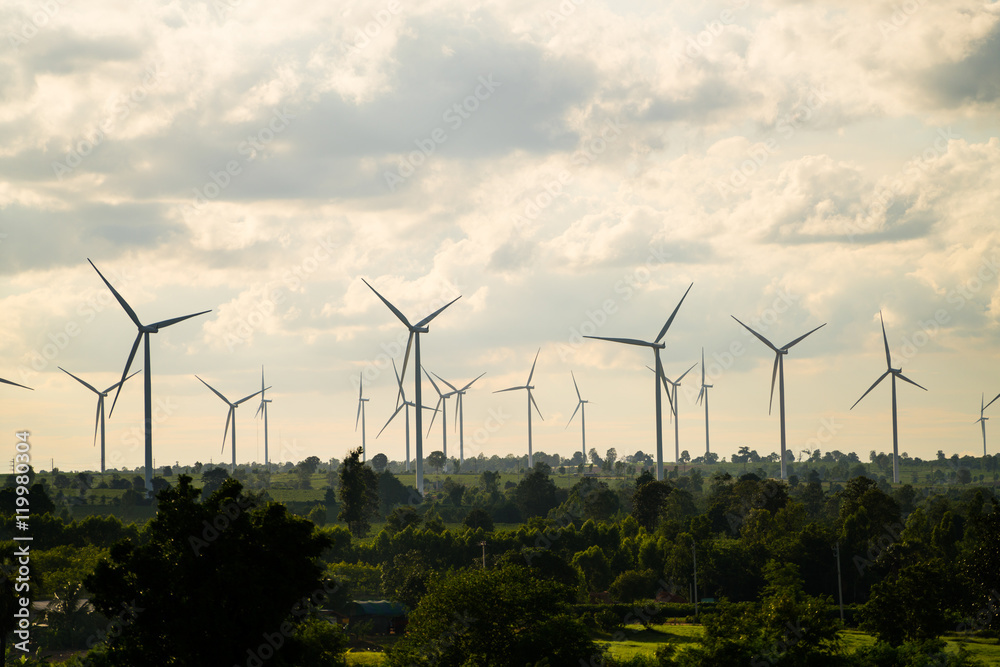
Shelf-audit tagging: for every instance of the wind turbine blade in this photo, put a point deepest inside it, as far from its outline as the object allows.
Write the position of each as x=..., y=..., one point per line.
x=759, y=337
x=880, y=378
x=122, y=381
x=390, y=419
x=466, y=387
x=128, y=364
x=450, y=385
x=358, y=418
x=458, y=408
x=124, y=304
x=88, y=386
x=259, y=408
x=700, y=394
x=532, y=368
x=703, y=367
x=987, y=405
x=774, y=374
x=433, y=383
x=406, y=358
x=426, y=320
x=885, y=339
x=361, y=385
x=678, y=381
x=666, y=326
x=247, y=398
x=498, y=391
x=573, y=415
x=215, y=391
x=578, y=396
x=229, y=415
x=175, y=320
x=440, y=398
x=97, y=417
x=797, y=340
x=626, y=341
x=395, y=311
x=903, y=377
x=670, y=395
x=532, y=399
x=16, y=384
x=399, y=383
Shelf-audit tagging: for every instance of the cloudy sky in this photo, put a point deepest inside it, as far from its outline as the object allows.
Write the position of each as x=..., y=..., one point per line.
x=566, y=168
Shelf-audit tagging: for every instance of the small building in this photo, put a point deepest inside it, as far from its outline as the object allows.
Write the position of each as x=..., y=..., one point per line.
x=386, y=617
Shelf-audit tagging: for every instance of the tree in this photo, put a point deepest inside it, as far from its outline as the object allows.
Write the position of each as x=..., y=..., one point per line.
x=493, y=618
x=380, y=462
x=437, y=460
x=200, y=586
x=402, y=518
x=479, y=518
x=392, y=492
x=649, y=500
x=535, y=495
x=611, y=456
x=358, y=494
x=310, y=463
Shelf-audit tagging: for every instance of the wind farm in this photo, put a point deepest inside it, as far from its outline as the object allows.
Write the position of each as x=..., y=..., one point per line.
x=385, y=212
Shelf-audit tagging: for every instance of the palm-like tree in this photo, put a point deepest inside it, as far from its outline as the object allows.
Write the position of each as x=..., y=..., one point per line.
x=744, y=453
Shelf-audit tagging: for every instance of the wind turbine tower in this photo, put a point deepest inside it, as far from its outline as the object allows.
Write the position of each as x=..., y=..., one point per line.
x=230, y=415
x=779, y=370
x=894, y=372
x=99, y=418
x=262, y=408
x=415, y=331
x=704, y=394
x=443, y=402
x=656, y=346
x=361, y=415
x=531, y=401
x=459, y=413
x=581, y=406
x=143, y=335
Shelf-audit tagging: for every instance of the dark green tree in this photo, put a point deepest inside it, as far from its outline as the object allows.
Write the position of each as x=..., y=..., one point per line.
x=535, y=495
x=210, y=583
x=479, y=518
x=379, y=463
x=649, y=500
x=494, y=618
x=437, y=460
x=358, y=494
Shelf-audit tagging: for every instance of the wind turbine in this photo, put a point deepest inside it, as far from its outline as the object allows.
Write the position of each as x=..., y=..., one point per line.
x=405, y=404
x=983, y=419
x=231, y=415
x=443, y=402
x=704, y=393
x=414, y=338
x=531, y=401
x=674, y=408
x=361, y=415
x=262, y=408
x=581, y=406
x=459, y=413
x=779, y=370
x=895, y=372
x=657, y=346
x=144, y=331
x=99, y=418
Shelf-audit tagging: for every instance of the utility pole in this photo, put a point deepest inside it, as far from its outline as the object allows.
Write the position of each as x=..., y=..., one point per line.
x=483, y=545
x=840, y=586
x=694, y=553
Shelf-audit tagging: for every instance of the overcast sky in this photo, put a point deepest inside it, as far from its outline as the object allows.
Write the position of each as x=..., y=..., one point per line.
x=567, y=168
